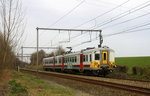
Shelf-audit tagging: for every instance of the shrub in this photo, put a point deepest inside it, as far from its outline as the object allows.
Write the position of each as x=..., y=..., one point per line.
x=16, y=87
x=139, y=70
x=134, y=70
x=122, y=69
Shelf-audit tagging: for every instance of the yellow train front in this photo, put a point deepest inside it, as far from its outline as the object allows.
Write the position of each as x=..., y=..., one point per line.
x=98, y=61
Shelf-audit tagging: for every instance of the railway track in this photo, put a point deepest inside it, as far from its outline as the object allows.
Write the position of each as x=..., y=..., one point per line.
x=131, y=80
x=115, y=78
x=135, y=89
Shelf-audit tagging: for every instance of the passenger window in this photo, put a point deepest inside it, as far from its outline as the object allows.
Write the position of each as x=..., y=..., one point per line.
x=72, y=59
x=90, y=57
x=68, y=60
x=97, y=56
x=86, y=57
x=75, y=59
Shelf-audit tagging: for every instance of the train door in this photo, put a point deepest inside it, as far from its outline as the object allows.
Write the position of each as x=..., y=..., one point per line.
x=104, y=57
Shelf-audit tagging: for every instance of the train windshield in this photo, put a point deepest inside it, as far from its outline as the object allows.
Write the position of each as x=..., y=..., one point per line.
x=97, y=57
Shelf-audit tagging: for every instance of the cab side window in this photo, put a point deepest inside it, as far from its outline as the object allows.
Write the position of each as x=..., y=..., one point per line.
x=97, y=57
x=83, y=58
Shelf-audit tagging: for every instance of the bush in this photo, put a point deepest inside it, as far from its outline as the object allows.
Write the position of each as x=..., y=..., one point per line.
x=122, y=69
x=134, y=70
x=16, y=87
x=139, y=70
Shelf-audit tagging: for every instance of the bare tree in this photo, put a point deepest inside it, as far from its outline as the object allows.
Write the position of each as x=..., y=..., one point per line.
x=60, y=51
x=11, y=30
x=34, y=57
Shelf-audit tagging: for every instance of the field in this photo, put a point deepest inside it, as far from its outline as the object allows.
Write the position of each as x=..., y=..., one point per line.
x=133, y=61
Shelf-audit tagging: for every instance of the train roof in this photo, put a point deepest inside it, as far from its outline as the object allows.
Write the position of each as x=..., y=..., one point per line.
x=97, y=49
x=84, y=51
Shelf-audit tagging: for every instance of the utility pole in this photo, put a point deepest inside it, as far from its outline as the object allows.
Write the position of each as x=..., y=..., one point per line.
x=21, y=58
x=17, y=63
x=22, y=53
x=100, y=39
x=37, y=51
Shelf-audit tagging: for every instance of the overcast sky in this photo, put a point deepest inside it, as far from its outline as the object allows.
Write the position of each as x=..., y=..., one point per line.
x=111, y=16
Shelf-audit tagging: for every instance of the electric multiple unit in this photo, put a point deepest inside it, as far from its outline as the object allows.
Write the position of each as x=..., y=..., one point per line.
x=90, y=60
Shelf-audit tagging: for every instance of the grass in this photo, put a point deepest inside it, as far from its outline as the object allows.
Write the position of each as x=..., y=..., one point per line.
x=27, y=85
x=133, y=61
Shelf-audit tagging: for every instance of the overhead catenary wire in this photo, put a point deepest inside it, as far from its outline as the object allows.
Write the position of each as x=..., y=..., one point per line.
x=76, y=45
x=98, y=17
x=130, y=30
x=80, y=35
x=126, y=31
x=107, y=12
x=143, y=15
x=102, y=14
x=124, y=14
x=67, y=13
x=127, y=13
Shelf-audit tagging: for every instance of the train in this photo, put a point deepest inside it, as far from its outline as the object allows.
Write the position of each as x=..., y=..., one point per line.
x=96, y=61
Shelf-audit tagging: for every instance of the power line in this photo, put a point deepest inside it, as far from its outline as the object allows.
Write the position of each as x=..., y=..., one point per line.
x=121, y=14
x=126, y=31
x=128, y=12
x=67, y=13
x=105, y=13
x=102, y=14
x=125, y=14
x=122, y=32
x=99, y=16
x=126, y=20
x=112, y=35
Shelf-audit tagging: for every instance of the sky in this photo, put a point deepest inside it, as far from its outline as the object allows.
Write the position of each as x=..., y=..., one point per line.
x=124, y=24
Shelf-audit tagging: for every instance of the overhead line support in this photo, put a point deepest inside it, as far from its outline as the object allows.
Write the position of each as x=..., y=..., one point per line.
x=100, y=36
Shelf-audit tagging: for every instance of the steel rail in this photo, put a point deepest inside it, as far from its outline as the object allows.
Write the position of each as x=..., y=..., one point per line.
x=131, y=80
x=135, y=89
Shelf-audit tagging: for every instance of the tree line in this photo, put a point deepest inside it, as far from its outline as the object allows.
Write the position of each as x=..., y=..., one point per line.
x=11, y=32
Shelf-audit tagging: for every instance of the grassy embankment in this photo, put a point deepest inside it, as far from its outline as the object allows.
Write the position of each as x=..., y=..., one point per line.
x=27, y=85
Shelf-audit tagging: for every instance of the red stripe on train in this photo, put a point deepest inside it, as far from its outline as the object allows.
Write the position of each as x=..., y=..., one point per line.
x=81, y=61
